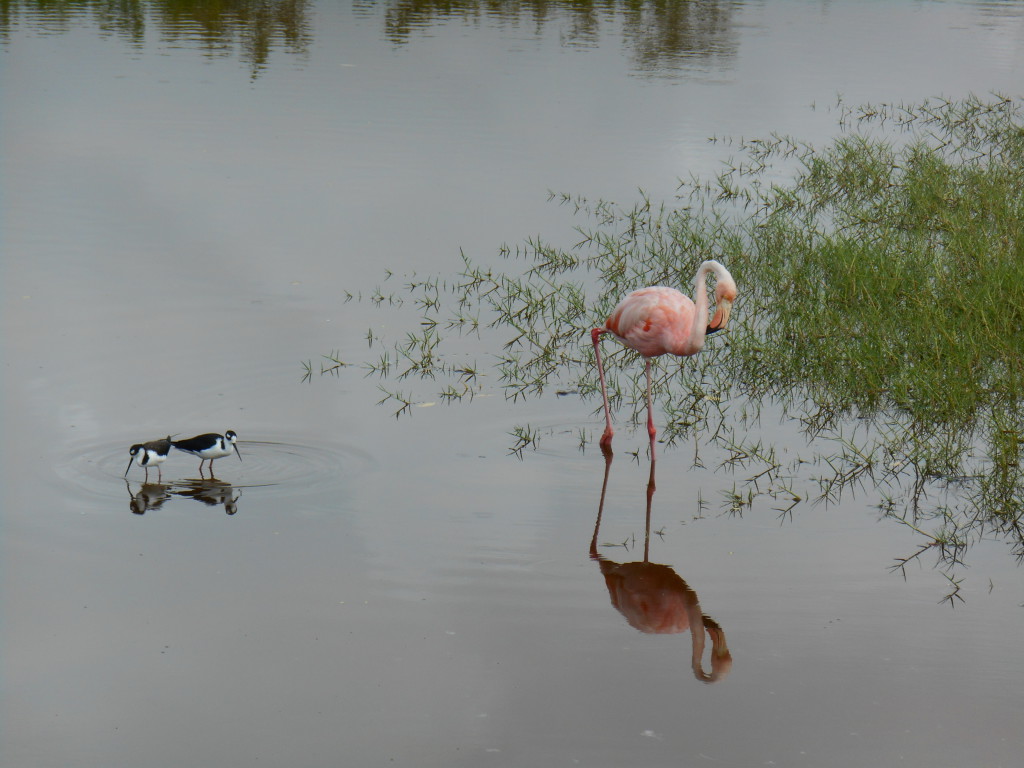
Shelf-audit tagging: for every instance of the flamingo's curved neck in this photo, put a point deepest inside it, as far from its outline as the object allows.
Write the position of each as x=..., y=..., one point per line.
x=698, y=330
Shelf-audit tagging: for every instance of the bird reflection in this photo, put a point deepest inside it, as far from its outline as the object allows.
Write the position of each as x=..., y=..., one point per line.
x=149, y=496
x=210, y=491
x=655, y=600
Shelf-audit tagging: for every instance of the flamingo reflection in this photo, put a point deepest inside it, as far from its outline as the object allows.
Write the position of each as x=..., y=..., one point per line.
x=655, y=600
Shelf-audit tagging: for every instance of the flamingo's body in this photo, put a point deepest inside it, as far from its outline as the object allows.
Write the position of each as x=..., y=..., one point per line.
x=657, y=321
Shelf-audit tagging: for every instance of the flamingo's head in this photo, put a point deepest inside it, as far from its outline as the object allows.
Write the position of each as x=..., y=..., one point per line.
x=725, y=295
x=721, y=658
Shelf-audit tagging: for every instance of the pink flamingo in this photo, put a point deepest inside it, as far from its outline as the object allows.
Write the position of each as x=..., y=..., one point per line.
x=657, y=321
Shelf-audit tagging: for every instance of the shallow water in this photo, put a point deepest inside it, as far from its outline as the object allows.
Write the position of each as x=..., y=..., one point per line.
x=184, y=212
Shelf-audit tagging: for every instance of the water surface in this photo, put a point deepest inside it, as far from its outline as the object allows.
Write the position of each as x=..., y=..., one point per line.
x=187, y=201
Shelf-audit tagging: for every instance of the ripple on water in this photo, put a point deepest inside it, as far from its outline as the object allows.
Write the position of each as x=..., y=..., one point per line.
x=275, y=467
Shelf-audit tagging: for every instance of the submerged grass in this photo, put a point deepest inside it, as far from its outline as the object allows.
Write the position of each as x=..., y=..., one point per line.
x=881, y=307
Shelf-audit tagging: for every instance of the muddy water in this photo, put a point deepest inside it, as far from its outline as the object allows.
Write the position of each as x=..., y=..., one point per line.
x=186, y=205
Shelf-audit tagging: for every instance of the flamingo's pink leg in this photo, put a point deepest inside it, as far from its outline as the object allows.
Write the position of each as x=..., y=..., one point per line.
x=606, y=438
x=650, y=414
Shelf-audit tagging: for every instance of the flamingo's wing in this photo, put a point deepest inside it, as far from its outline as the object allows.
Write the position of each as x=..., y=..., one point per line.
x=652, y=320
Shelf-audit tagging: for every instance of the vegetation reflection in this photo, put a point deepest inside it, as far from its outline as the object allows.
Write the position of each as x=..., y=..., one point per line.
x=880, y=319
x=662, y=37
x=655, y=600
x=254, y=27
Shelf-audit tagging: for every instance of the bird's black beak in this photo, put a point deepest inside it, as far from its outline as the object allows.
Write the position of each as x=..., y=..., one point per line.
x=723, y=307
x=238, y=452
x=129, y=465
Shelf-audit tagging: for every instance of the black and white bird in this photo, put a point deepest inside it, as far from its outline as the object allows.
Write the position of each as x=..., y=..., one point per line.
x=151, y=454
x=209, y=447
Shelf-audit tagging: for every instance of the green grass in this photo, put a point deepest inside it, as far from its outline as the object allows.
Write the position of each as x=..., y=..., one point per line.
x=881, y=308
x=887, y=282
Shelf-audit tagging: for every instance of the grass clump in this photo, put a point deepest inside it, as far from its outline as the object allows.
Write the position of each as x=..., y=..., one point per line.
x=897, y=278
x=888, y=283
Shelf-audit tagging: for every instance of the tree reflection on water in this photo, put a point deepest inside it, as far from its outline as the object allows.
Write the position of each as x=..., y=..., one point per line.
x=662, y=37
x=252, y=28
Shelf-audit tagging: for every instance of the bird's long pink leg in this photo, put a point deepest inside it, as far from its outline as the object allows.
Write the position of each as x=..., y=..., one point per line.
x=606, y=438
x=650, y=414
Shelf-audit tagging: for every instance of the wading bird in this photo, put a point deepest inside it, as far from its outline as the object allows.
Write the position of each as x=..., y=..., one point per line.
x=657, y=321
x=209, y=447
x=151, y=454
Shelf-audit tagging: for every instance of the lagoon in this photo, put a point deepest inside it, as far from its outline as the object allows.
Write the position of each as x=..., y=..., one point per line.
x=195, y=204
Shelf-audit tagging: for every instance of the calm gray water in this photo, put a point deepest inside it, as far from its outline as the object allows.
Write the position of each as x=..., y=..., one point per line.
x=186, y=202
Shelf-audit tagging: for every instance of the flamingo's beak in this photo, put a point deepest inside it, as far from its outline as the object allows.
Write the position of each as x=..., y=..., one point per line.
x=722, y=309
